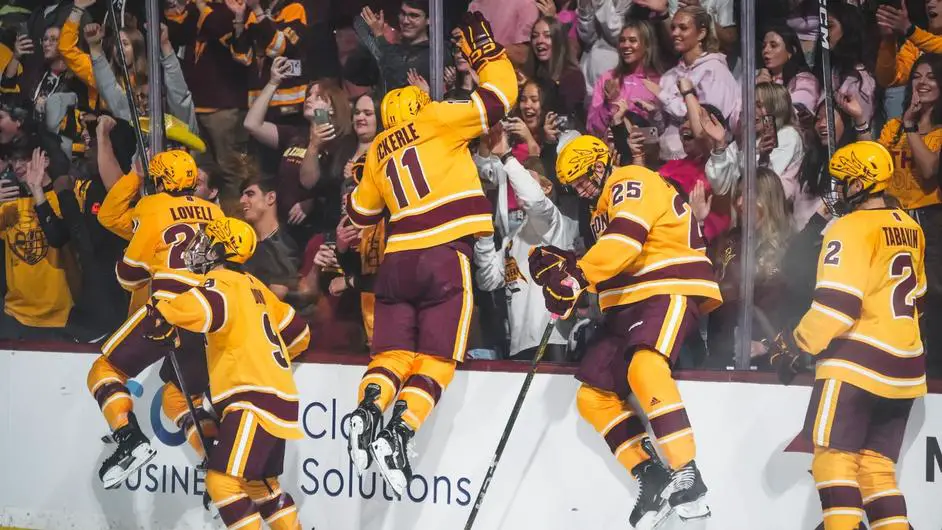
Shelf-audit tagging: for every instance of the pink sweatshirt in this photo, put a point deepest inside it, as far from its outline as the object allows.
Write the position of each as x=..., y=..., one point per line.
x=632, y=89
x=713, y=83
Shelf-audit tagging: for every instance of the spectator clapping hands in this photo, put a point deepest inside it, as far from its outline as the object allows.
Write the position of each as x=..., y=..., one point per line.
x=893, y=21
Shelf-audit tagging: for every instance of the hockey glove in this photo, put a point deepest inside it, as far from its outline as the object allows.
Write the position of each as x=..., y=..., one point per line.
x=562, y=291
x=787, y=358
x=477, y=42
x=544, y=261
x=156, y=329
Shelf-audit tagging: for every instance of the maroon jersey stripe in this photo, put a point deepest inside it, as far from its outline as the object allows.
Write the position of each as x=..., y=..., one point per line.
x=697, y=270
x=845, y=303
x=438, y=216
x=876, y=359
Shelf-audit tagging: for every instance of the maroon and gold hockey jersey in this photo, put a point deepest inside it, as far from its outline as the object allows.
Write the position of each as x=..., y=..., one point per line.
x=648, y=244
x=863, y=325
x=251, y=337
x=422, y=174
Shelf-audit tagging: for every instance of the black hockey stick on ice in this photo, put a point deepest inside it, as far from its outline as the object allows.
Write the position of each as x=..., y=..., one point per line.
x=510, y=422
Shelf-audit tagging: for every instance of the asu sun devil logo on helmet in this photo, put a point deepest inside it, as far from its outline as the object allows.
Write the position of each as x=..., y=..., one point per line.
x=176, y=170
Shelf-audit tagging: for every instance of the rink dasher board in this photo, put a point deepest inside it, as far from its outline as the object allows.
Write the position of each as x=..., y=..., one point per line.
x=556, y=473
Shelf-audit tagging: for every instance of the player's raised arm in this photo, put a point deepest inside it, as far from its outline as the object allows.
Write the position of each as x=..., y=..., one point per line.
x=496, y=93
x=200, y=310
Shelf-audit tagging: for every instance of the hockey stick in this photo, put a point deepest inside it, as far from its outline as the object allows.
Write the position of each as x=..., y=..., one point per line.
x=831, y=197
x=128, y=91
x=510, y=422
x=204, y=441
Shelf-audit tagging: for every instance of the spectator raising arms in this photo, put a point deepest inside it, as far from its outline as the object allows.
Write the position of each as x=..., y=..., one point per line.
x=130, y=42
x=849, y=49
x=396, y=59
x=307, y=153
x=263, y=32
x=550, y=63
x=711, y=80
x=639, y=58
x=784, y=61
x=915, y=143
x=506, y=265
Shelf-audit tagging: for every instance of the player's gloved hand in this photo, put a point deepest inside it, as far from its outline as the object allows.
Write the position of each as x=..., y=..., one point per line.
x=787, y=358
x=562, y=291
x=154, y=327
x=477, y=40
x=543, y=261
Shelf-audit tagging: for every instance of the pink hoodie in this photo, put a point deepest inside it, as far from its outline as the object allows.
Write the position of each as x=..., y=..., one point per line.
x=713, y=83
x=632, y=89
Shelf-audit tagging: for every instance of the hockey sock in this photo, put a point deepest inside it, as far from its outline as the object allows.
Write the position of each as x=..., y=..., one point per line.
x=649, y=376
x=235, y=507
x=835, y=475
x=275, y=506
x=423, y=389
x=107, y=385
x=616, y=422
x=387, y=369
x=174, y=407
x=882, y=499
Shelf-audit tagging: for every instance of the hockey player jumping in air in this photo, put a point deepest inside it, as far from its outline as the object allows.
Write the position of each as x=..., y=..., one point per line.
x=863, y=331
x=419, y=171
x=165, y=224
x=654, y=281
x=251, y=337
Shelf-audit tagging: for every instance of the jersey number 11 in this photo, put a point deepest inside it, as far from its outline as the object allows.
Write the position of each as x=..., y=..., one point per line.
x=410, y=161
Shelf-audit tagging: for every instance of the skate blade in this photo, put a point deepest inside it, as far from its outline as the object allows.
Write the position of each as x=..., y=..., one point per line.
x=142, y=455
x=690, y=511
x=395, y=478
x=358, y=455
x=652, y=521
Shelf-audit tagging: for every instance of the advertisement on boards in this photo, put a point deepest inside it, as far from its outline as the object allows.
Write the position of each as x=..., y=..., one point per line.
x=556, y=472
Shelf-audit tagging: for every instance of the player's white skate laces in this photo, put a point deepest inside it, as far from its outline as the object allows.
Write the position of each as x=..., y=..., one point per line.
x=397, y=478
x=687, y=493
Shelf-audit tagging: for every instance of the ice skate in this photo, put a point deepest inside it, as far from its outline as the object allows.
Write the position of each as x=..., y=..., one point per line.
x=686, y=493
x=391, y=451
x=364, y=427
x=133, y=451
x=651, y=509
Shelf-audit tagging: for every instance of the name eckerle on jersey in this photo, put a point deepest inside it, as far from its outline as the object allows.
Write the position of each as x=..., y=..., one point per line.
x=395, y=140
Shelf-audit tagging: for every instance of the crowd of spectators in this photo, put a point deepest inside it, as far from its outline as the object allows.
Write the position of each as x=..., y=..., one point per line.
x=280, y=99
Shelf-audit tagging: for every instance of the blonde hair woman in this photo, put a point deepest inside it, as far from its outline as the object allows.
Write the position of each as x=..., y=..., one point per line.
x=702, y=73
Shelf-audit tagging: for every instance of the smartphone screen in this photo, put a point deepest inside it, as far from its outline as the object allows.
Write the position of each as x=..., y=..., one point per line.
x=321, y=116
x=768, y=128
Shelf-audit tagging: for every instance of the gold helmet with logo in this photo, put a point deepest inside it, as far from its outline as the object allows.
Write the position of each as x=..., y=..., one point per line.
x=402, y=105
x=866, y=162
x=176, y=170
x=579, y=157
x=227, y=239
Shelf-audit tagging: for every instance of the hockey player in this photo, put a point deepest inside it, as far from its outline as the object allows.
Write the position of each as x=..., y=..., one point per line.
x=863, y=332
x=166, y=223
x=654, y=281
x=419, y=171
x=251, y=337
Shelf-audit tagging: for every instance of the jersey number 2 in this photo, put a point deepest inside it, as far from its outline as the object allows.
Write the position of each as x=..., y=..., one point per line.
x=410, y=161
x=178, y=237
x=277, y=353
x=903, y=301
